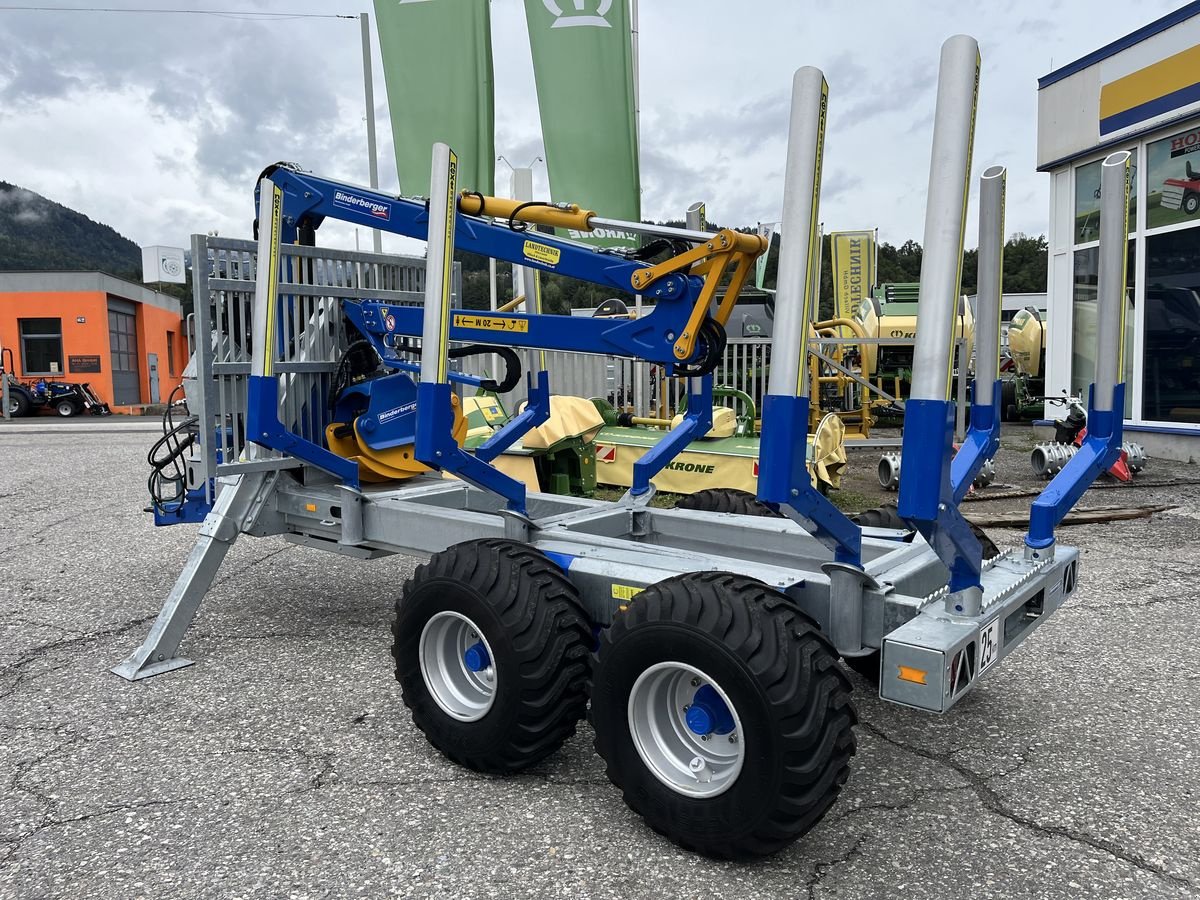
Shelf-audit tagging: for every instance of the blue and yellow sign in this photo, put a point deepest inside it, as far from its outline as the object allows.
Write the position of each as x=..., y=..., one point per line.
x=1155, y=90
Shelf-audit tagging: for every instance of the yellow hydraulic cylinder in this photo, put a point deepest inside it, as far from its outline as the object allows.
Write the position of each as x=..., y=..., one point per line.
x=558, y=215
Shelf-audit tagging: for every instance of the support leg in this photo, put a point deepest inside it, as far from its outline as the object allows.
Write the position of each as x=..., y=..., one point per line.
x=236, y=504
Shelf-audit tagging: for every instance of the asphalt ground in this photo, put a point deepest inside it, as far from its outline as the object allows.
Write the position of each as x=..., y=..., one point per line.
x=283, y=764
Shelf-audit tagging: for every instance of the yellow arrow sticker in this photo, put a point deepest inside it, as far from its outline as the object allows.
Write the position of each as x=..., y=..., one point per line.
x=492, y=323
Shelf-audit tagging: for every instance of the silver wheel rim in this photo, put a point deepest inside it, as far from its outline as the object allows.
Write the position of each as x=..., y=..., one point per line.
x=461, y=691
x=685, y=760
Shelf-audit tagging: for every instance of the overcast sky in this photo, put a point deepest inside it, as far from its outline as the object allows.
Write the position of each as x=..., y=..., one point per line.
x=158, y=124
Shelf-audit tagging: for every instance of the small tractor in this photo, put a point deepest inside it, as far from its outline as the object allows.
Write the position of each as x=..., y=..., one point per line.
x=64, y=398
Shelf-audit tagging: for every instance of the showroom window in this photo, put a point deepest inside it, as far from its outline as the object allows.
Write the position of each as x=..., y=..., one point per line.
x=1171, y=329
x=1087, y=200
x=1083, y=322
x=41, y=346
x=1173, y=180
x=1171, y=318
x=1086, y=236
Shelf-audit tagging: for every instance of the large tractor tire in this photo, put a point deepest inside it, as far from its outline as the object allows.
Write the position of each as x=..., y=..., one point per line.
x=886, y=516
x=722, y=714
x=491, y=649
x=725, y=500
x=1008, y=401
x=19, y=403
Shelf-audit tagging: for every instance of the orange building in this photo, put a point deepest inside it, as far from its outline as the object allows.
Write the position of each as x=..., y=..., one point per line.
x=123, y=339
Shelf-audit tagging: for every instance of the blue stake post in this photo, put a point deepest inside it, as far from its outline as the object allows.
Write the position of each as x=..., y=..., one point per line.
x=1106, y=400
x=783, y=479
x=983, y=439
x=927, y=494
x=435, y=445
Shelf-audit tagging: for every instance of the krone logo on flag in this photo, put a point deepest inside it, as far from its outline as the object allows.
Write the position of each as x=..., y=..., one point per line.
x=580, y=16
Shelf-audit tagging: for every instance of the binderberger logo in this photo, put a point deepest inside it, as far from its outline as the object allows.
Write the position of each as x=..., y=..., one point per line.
x=362, y=204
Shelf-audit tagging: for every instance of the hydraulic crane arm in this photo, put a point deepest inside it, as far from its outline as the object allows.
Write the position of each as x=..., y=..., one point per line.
x=684, y=332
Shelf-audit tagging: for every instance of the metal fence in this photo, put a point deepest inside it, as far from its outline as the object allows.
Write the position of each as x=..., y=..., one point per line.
x=312, y=337
x=641, y=387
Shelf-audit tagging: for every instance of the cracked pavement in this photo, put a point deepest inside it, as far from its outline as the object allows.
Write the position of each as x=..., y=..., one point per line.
x=283, y=763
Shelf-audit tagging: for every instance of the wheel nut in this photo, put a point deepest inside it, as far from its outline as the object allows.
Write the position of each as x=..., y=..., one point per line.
x=695, y=682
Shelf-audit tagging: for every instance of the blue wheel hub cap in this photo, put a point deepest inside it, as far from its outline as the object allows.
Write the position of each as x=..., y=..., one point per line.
x=476, y=657
x=708, y=713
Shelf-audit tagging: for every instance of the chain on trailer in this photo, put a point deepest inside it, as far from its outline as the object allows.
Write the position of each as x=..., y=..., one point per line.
x=695, y=725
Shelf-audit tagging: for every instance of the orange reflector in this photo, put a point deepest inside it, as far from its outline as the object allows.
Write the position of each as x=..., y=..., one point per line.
x=311, y=507
x=908, y=673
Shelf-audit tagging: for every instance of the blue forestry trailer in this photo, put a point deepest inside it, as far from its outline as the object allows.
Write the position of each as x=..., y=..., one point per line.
x=704, y=646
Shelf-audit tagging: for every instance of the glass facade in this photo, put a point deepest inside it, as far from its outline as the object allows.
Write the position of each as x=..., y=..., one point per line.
x=1083, y=322
x=1162, y=331
x=1173, y=180
x=1087, y=200
x=1171, y=330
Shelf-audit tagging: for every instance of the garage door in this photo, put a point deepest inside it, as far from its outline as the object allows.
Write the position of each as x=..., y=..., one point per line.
x=122, y=338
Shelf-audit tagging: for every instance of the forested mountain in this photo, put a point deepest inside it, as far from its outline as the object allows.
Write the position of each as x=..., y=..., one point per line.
x=37, y=233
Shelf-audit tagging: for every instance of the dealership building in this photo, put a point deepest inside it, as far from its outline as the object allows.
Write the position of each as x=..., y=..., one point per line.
x=123, y=339
x=1141, y=93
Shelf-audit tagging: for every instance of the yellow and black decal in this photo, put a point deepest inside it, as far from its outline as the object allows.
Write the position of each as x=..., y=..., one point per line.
x=625, y=591
x=542, y=253
x=814, y=243
x=451, y=204
x=273, y=278
x=508, y=324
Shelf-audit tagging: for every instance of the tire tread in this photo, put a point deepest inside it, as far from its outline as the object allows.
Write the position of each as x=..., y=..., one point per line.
x=540, y=608
x=796, y=666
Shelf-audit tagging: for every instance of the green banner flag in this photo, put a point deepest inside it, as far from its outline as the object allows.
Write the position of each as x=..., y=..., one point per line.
x=765, y=230
x=583, y=67
x=437, y=65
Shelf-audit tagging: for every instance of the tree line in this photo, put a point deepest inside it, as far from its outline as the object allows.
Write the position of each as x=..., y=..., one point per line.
x=1025, y=260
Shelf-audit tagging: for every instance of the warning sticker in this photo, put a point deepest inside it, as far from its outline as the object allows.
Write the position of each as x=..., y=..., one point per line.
x=491, y=323
x=606, y=453
x=491, y=413
x=625, y=591
x=542, y=253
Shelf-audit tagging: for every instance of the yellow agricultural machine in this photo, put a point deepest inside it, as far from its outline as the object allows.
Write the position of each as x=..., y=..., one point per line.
x=1022, y=394
x=587, y=444
x=891, y=313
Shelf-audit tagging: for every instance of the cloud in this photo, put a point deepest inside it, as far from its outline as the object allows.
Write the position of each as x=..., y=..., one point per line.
x=158, y=124
x=22, y=205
